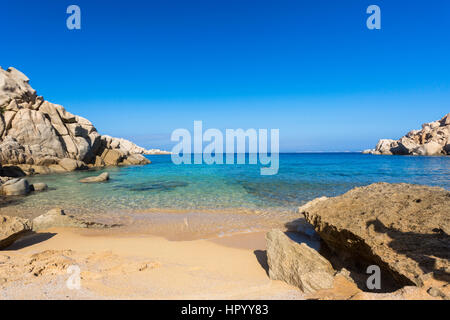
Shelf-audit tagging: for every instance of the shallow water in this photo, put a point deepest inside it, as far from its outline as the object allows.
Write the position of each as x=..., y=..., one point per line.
x=223, y=198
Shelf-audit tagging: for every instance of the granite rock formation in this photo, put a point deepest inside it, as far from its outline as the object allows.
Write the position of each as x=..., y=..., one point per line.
x=432, y=140
x=37, y=136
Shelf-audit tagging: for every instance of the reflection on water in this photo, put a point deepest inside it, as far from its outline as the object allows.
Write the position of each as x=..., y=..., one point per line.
x=244, y=197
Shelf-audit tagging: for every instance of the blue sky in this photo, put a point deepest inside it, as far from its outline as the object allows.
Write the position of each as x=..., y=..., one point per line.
x=140, y=69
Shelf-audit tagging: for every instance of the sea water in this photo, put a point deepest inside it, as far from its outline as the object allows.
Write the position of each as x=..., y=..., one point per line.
x=222, y=198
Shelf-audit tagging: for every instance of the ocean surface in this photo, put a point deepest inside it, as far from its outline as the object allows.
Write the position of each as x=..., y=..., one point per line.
x=221, y=199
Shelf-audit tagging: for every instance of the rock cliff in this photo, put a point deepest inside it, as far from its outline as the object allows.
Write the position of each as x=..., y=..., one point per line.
x=37, y=136
x=432, y=140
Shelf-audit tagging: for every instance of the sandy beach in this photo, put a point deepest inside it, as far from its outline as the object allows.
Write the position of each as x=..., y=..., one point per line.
x=112, y=265
x=138, y=267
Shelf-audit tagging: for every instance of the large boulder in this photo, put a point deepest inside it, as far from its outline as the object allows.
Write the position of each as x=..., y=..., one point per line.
x=431, y=140
x=402, y=228
x=11, y=228
x=125, y=146
x=384, y=146
x=405, y=146
x=71, y=164
x=16, y=187
x=431, y=148
x=113, y=157
x=297, y=264
x=136, y=159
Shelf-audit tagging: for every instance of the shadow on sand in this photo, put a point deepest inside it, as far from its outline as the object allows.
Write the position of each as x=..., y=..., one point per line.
x=30, y=240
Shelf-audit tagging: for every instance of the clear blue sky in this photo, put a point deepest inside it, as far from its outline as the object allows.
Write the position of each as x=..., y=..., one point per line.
x=140, y=69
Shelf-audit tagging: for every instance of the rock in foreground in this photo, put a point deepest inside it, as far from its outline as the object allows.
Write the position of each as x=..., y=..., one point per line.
x=297, y=264
x=11, y=228
x=402, y=228
x=432, y=140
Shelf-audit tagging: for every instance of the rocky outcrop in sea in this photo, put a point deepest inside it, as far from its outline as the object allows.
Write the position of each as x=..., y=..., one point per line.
x=432, y=140
x=37, y=136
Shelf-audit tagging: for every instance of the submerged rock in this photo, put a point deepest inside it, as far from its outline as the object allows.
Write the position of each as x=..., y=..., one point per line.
x=15, y=187
x=100, y=178
x=432, y=140
x=153, y=186
x=402, y=228
x=297, y=264
x=12, y=228
x=57, y=218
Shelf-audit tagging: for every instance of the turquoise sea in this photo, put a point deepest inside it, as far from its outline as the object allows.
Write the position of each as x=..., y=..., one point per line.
x=223, y=198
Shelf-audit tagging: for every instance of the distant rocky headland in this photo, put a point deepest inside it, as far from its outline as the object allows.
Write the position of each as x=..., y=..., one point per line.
x=39, y=137
x=432, y=140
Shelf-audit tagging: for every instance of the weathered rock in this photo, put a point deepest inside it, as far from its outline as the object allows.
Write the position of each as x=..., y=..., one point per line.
x=385, y=145
x=39, y=186
x=14, y=85
x=15, y=187
x=11, y=228
x=405, y=146
x=35, y=132
x=100, y=178
x=4, y=179
x=431, y=140
x=56, y=218
x=300, y=225
x=112, y=157
x=402, y=228
x=126, y=146
x=71, y=164
x=32, y=128
x=297, y=264
x=136, y=159
x=431, y=148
